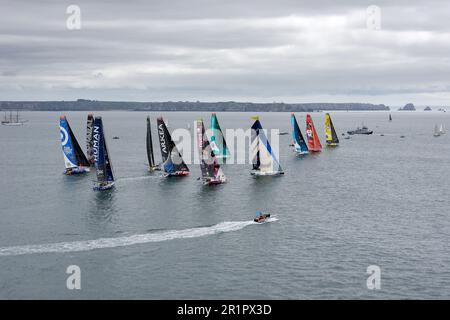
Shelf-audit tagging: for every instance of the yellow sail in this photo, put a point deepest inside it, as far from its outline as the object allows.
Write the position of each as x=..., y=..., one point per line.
x=329, y=136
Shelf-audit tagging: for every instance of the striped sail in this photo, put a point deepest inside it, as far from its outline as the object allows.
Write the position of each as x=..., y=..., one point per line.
x=264, y=160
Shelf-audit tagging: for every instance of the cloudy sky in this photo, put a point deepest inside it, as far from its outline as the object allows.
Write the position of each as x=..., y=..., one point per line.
x=210, y=50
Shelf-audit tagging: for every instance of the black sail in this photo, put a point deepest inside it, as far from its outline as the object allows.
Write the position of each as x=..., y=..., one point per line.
x=79, y=154
x=334, y=136
x=150, y=156
x=172, y=161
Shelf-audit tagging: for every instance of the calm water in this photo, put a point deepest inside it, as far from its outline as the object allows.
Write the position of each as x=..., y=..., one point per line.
x=375, y=200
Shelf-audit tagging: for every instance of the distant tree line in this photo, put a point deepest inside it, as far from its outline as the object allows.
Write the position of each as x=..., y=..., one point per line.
x=87, y=105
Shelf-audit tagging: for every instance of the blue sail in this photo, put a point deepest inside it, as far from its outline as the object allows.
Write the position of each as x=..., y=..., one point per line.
x=70, y=158
x=100, y=152
x=299, y=142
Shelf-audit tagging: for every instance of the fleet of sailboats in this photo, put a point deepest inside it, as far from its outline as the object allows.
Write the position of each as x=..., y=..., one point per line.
x=211, y=151
x=209, y=165
x=264, y=161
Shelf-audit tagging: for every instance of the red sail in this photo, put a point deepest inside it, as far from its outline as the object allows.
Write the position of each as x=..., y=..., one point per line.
x=311, y=134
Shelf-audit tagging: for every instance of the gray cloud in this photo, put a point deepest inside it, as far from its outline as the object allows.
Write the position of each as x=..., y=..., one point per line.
x=288, y=50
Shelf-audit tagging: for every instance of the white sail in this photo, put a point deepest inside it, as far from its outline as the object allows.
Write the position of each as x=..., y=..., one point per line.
x=264, y=161
x=268, y=161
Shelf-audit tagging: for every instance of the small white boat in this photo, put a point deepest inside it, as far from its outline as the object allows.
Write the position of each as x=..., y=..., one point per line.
x=436, y=131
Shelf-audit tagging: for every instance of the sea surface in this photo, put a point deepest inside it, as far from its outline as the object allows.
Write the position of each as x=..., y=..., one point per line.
x=374, y=200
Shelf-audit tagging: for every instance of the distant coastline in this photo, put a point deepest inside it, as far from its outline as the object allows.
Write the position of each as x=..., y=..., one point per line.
x=95, y=105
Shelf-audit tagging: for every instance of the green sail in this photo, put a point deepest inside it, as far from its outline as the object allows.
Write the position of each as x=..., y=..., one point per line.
x=218, y=143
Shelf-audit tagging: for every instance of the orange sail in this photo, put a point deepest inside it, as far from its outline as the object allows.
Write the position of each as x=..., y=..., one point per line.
x=311, y=134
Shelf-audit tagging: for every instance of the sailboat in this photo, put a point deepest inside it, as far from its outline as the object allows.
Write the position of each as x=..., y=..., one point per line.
x=300, y=146
x=152, y=166
x=89, y=139
x=441, y=129
x=436, y=131
x=103, y=165
x=74, y=158
x=311, y=134
x=264, y=161
x=172, y=161
x=331, y=136
x=209, y=164
x=12, y=121
x=218, y=143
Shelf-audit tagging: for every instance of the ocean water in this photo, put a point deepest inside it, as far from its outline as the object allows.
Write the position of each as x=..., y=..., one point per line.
x=374, y=200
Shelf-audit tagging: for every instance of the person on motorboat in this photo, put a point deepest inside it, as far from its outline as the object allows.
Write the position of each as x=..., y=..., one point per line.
x=260, y=217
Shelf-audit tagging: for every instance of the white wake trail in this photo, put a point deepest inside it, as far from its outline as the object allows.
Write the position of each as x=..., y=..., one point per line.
x=86, y=245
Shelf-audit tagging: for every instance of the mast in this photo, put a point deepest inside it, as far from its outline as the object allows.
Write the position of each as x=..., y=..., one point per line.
x=256, y=161
x=150, y=156
x=89, y=139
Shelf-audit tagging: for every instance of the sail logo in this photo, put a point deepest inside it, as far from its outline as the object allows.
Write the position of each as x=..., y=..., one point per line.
x=309, y=133
x=67, y=150
x=162, y=138
x=64, y=136
x=96, y=142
